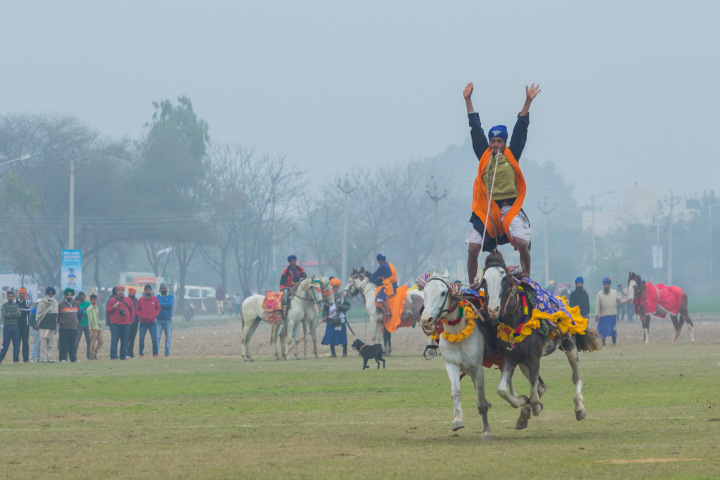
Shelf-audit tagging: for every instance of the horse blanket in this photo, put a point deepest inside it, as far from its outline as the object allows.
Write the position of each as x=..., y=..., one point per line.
x=546, y=307
x=396, y=304
x=669, y=298
x=272, y=305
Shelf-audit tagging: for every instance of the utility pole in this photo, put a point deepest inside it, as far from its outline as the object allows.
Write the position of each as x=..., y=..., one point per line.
x=673, y=201
x=436, y=198
x=347, y=190
x=546, y=212
x=71, y=229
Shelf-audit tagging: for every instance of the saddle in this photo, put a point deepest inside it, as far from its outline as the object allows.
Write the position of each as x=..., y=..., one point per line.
x=273, y=306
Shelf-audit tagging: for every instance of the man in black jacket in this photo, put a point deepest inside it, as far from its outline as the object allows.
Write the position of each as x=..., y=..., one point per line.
x=579, y=298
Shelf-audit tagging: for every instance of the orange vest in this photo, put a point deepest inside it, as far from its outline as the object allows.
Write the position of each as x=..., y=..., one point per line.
x=494, y=226
x=388, y=282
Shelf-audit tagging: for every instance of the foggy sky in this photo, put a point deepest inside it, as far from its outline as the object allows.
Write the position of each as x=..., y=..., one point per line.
x=630, y=88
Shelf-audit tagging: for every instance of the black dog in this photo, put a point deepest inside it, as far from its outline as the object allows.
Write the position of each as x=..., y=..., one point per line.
x=368, y=352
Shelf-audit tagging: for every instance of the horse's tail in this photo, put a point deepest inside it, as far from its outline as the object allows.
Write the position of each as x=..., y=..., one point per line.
x=588, y=342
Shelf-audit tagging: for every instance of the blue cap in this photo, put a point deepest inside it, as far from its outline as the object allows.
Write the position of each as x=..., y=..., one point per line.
x=580, y=280
x=292, y=257
x=380, y=257
x=606, y=281
x=498, y=131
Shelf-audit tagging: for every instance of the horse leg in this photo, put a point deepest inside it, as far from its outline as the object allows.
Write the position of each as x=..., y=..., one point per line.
x=504, y=390
x=274, y=337
x=304, y=339
x=577, y=379
x=283, y=336
x=483, y=405
x=453, y=372
x=677, y=324
x=646, y=328
x=314, y=340
x=686, y=316
x=247, y=335
x=526, y=411
x=534, y=373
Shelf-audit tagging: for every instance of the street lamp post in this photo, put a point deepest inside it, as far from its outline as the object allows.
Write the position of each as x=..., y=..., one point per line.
x=347, y=190
x=436, y=198
x=546, y=212
x=592, y=220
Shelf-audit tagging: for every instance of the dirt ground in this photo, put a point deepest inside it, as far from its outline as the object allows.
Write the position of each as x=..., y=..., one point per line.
x=221, y=337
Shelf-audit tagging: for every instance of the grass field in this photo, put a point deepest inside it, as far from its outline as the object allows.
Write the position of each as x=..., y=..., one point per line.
x=653, y=412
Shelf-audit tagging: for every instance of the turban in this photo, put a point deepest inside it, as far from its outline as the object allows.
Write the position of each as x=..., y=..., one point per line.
x=380, y=257
x=68, y=291
x=498, y=131
x=607, y=281
x=49, y=290
x=132, y=290
x=163, y=285
x=579, y=280
x=291, y=258
x=22, y=290
x=119, y=288
x=335, y=282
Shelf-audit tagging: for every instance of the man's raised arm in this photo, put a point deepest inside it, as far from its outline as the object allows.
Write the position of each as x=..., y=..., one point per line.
x=530, y=94
x=479, y=141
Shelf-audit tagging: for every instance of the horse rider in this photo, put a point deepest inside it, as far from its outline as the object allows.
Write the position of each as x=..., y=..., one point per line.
x=385, y=276
x=291, y=276
x=501, y=180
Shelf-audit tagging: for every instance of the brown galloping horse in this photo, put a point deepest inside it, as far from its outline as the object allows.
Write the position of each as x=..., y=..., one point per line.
x=659, y=300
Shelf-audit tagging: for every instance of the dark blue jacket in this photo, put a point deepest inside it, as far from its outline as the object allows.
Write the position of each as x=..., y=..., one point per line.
x=166, y=306
x=517, y=140
x=382, y=272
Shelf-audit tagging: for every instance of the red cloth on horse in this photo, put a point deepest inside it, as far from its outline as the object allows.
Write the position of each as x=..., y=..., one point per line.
x=272, y=304
x=668, y=298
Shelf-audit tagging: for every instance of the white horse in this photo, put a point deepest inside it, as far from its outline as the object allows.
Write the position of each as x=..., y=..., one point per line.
x=359, y=283
x=441, y=304
x=252, y=313
x=304, y=309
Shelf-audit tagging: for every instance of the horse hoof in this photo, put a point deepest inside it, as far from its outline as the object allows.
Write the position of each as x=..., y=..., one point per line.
x=580, y=415
x=457, y=425
x=522, y=423
x=536, y=409
x=486, y=436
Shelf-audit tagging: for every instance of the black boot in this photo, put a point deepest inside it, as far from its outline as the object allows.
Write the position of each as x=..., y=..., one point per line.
x=603, y=340
x=332, y=351
x=344, y=349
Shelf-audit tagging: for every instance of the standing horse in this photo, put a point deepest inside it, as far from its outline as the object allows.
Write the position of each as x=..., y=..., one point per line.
x=659, y=300
x=525, y=342
x=462, y=343
x=307, y=299
x=252, y=313
x=359, y=284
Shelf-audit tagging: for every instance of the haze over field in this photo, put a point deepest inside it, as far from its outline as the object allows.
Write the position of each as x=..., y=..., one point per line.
x=629, y=88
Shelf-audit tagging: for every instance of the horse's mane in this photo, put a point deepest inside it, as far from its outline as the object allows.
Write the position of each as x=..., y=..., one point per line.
x=495, y=259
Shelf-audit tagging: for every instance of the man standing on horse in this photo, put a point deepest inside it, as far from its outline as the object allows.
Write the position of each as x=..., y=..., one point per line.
x=385, y=276
x=501, y=181
x=290, y=276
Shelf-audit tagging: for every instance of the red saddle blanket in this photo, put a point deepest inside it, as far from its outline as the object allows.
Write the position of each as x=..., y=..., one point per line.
x=272, y=305
x=668, y=298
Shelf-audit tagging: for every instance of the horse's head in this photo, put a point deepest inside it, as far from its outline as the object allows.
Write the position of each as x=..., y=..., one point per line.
x=328, y=294
x=439, y=299
x=355, y=282
x=495, y=283
x=635, y=284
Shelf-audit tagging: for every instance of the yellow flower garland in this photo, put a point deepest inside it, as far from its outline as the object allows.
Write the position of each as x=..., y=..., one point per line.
x=464, y=333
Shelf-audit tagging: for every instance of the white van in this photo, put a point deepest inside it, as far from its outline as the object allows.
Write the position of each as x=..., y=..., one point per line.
x=193, y=292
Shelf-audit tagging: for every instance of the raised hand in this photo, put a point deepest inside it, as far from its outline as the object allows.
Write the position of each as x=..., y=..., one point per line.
x=467, y=92
x=532, y=91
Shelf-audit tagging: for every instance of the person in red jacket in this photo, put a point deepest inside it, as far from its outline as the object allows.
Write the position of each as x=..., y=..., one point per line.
x=121, y=313
x=147, y=309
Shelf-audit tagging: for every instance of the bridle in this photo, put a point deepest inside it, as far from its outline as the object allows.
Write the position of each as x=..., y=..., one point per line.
x=506, y=283
x=357, y=290
x=450, y=297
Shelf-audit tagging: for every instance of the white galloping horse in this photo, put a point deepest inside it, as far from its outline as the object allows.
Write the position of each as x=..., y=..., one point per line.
x=303, y=309
x=441, y=303
x=359, y=283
